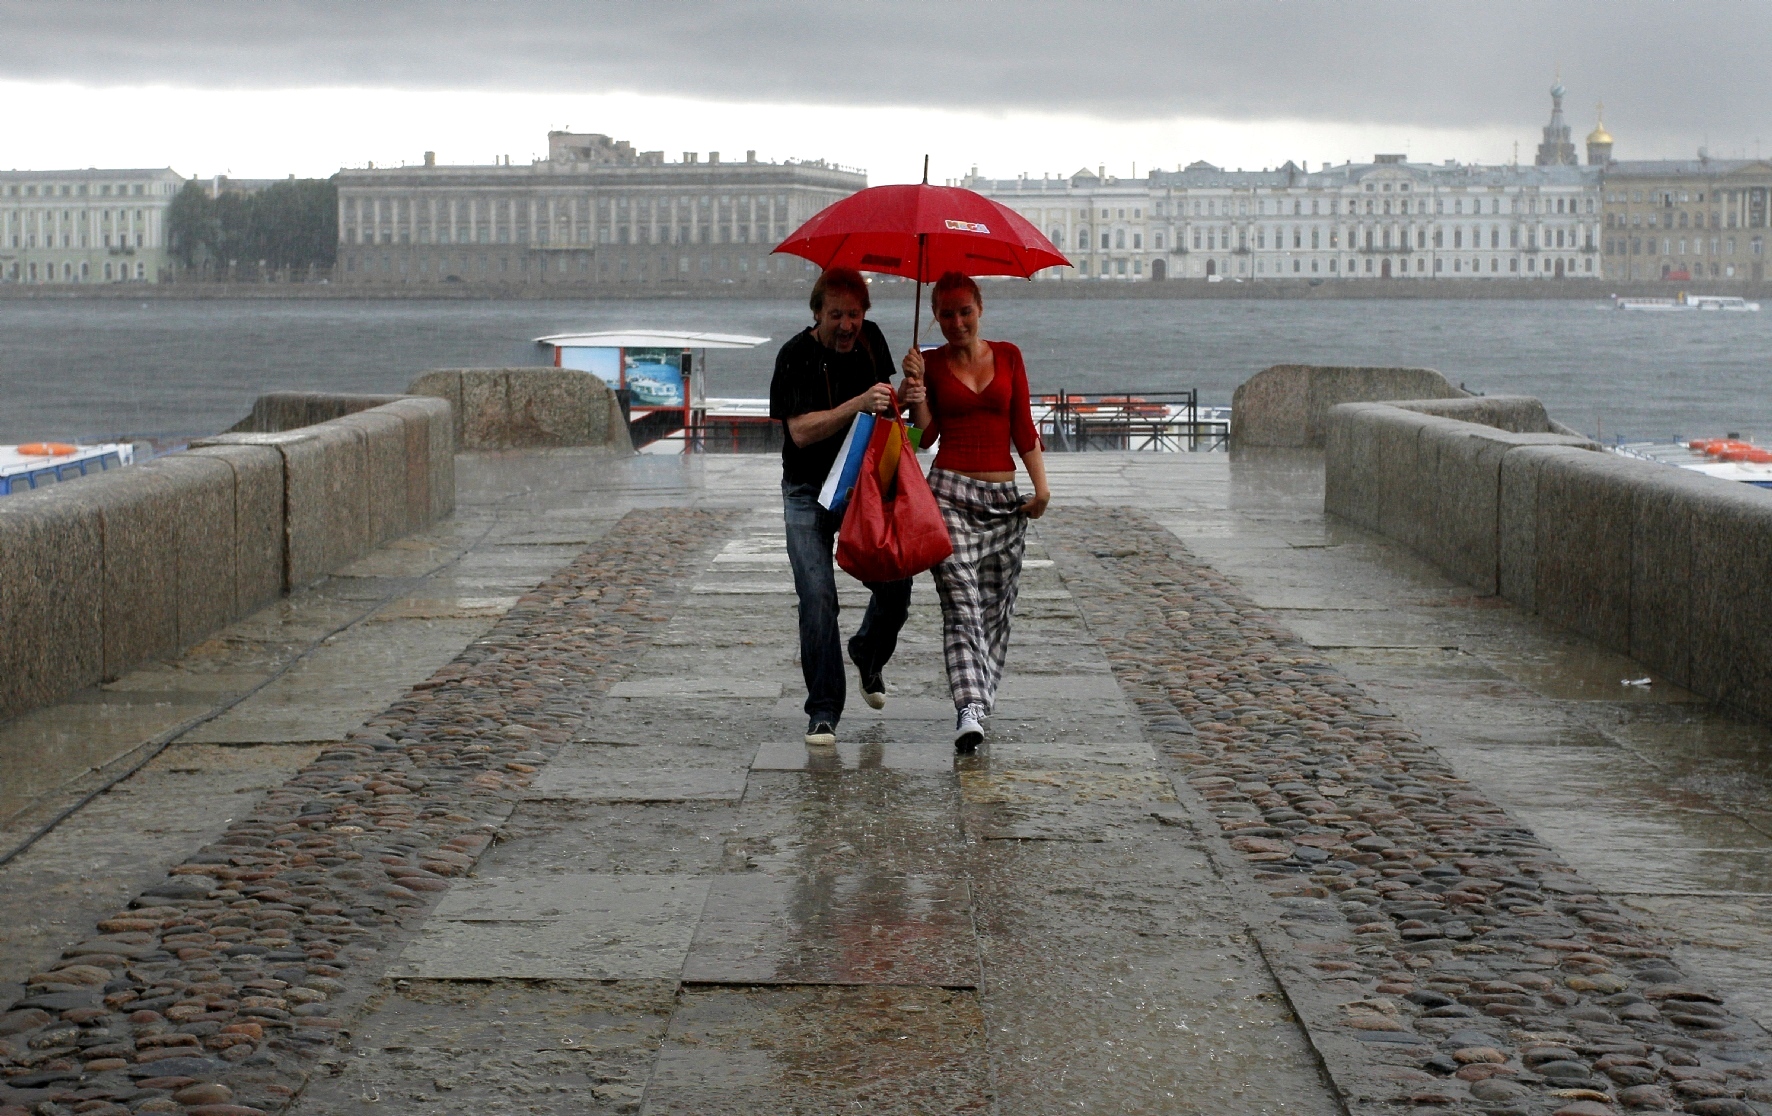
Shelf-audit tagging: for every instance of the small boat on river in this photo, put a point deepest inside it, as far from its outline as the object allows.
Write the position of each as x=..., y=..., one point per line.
x=38, y=464
x=1723, y=458
x=1684, y=301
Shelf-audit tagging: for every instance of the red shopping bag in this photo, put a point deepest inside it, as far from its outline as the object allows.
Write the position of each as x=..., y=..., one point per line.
x=893, y=528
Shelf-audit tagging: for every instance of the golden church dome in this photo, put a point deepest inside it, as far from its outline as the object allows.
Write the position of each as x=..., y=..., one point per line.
x=1599, y=134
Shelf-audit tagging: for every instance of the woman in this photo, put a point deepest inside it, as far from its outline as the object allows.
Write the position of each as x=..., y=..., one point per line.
x=974, y=404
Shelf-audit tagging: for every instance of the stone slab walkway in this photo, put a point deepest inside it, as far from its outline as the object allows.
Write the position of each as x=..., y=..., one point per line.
x=586, y=866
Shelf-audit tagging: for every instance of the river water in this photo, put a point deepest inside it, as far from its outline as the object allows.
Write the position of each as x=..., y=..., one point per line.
x=100, y=368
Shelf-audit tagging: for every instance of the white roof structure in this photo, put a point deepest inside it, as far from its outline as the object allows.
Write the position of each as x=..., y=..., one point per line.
x=650, y=339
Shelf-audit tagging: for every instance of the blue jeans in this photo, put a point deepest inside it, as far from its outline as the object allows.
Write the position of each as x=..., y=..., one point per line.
x=812, y=537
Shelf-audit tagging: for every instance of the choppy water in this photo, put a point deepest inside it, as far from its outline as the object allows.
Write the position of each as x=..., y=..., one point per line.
x=99, y=368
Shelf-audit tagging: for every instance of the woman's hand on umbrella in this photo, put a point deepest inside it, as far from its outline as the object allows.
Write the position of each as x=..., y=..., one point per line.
x=911, y=391
x=913, y=364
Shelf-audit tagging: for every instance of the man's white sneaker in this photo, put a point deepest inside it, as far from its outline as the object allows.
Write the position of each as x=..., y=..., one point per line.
x=968, y=731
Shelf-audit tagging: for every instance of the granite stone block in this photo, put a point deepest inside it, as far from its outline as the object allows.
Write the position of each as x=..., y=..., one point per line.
x=258, y=521
x=444, y=384
x=1403, y=489
x=1465, y=459
x=1582, y=575
x=138, y=513
x=277, y=411
x=1517, y=414
x=1351, y=465
x=512, y=408
x=1661, y=632
x=325, y=496
x=1289, y=404
x=387, y=477
x=1731, y=596
x=202, y=515
x=52, y=596
x=430, y=426
x=1516, y=514
x=485, y=409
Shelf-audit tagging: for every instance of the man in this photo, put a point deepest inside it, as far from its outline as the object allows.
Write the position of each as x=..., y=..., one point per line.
x=835, y=369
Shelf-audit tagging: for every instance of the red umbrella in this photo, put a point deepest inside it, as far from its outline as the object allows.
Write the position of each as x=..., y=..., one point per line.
x=921, y=232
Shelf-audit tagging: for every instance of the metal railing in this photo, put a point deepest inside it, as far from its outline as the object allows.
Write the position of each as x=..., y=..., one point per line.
x=1069, y=422
x=1163, y=422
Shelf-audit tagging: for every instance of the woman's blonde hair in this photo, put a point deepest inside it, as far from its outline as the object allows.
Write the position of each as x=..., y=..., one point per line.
x=954, y=281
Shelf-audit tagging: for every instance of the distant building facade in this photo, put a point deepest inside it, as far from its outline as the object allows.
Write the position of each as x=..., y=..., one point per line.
x=1389, y=218
x=1688, y=218
x=86, y=226
x=595, y=211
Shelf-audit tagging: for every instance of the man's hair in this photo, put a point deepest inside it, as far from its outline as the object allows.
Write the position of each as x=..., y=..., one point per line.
x=954, y=281
x=840, y=280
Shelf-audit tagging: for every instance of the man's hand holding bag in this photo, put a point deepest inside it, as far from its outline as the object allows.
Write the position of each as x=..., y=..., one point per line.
x=893, y=528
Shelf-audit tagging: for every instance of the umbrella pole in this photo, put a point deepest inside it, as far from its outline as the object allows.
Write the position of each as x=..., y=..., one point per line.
x=917, y=303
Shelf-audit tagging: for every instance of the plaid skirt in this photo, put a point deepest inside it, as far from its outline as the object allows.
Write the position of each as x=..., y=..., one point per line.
x=977, y=585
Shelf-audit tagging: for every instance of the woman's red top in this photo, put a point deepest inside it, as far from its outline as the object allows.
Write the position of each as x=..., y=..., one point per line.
x=976, y=427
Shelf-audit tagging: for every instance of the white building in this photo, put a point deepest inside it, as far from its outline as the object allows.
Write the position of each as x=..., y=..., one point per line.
x=85, y=226
x=1385, y=219
x=595, y=211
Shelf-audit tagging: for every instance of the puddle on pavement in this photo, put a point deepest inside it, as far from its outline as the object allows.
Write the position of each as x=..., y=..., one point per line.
x=498, y=1048
x=819, y=928
x=882, y=1050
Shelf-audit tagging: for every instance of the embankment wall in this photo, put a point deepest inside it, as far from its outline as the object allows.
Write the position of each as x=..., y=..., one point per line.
x=1288, y=404
x=527, y=408
x=102, y=574
x=1658, y=563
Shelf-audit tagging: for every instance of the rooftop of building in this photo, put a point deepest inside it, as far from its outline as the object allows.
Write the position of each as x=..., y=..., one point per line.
x=1702, y=166
x=1290, y=175
x=91, y=174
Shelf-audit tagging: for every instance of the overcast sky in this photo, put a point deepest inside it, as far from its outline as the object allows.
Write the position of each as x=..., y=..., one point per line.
x=271, y=87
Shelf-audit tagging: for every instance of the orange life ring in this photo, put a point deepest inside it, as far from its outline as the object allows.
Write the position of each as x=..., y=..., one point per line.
x=47, y=449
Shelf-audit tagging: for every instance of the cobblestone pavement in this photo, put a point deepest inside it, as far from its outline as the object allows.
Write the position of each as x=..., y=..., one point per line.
x=587, y=866
x=1440, y=954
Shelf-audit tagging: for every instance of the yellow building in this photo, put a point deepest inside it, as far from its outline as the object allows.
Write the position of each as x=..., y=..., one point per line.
x=1687, y=219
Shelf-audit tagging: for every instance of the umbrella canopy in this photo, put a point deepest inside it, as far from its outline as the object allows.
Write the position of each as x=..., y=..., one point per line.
x=920, y=232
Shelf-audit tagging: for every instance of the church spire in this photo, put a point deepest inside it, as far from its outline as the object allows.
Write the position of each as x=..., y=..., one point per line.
x=1556, y=150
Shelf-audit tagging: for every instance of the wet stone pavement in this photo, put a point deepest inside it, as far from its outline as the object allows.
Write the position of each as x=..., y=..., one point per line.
x=587, y=866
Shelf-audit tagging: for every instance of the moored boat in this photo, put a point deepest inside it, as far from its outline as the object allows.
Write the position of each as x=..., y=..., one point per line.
x=38, y=464
x=1684, y=301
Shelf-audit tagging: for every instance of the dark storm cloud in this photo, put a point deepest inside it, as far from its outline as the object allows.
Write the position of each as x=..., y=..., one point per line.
x=1664, y=68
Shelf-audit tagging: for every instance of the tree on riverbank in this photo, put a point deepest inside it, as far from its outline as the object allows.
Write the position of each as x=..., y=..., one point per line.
x=289, y=226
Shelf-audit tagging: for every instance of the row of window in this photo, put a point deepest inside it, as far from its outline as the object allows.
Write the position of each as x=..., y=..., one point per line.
x=601, y=209
x=1222, y=207
x=106, y=240
x=69, y=216
x=1457, y=266
x=1719, y=246
x=72, y=271
x=1682, y=219
x=1211, y=239
x=1668, y=197
x=519, y=234
x=79, y=190
x=445, y=268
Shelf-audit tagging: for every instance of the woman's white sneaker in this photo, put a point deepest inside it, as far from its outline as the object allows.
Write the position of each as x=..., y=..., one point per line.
x=968, y=729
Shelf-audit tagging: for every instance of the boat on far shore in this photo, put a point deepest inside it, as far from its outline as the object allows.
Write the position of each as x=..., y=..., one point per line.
x=1684, y=301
